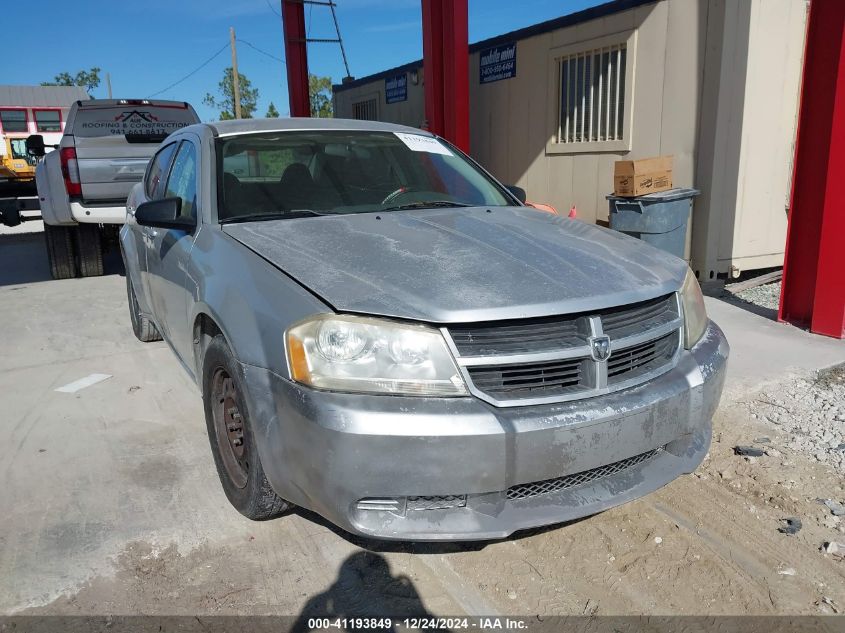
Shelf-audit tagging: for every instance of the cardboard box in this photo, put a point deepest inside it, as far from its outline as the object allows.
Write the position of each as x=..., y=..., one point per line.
x=639, y=177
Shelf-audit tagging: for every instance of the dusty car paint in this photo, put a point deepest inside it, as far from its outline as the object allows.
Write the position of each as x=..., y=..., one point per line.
x=454, y=265
x=332, y=452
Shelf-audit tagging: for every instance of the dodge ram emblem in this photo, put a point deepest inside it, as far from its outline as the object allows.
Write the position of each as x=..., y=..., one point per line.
x=600, y=347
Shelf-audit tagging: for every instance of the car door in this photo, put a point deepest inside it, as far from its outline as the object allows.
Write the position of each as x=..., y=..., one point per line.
x=169, y=251
x=152, y=189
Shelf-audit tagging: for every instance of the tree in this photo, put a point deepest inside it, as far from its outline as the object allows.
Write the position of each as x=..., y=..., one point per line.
x=272, y=113
x=320, y=93
x=87, y=79
x=226, y=101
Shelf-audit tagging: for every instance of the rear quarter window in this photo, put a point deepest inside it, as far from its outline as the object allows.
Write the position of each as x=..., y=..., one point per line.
x=138, y=123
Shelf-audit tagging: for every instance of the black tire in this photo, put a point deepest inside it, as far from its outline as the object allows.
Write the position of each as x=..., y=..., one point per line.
x=227, y=417
x=60, y=254
x=89, y=250
x=143, y=328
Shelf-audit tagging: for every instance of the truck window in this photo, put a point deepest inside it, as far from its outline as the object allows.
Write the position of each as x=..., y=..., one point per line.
x=136, y=123
x=18, y=147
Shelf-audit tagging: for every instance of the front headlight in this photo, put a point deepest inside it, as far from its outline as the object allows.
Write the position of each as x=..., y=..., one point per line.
x=695, y=314
x=350, y=353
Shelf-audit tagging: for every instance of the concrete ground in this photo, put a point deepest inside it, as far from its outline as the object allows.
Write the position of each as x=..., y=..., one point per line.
x=110, y=502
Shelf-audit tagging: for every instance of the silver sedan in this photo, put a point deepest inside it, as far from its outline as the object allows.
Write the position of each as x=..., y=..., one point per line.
x=384, y=334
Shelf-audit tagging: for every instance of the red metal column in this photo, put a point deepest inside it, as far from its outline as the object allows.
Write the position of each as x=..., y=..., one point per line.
x=446, y=69
x=814, y=268
x=296, y=53
x=456, y=73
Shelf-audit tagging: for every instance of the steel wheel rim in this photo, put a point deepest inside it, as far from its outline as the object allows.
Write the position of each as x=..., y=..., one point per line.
x=229, y=427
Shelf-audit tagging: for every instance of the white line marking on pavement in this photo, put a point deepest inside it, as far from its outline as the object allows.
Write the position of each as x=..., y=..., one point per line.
x=76, y=385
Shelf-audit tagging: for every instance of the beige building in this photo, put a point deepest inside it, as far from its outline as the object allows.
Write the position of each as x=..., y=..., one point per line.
x=712, y=82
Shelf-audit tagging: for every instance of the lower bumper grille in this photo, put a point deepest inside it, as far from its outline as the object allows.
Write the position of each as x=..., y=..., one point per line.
x=524, y=491
x=439, y=502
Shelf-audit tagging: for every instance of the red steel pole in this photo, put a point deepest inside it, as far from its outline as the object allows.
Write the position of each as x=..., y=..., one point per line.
x=296, y=53
x=432, y=21
x=813, y=292
x=446, y=69
x=456, y=73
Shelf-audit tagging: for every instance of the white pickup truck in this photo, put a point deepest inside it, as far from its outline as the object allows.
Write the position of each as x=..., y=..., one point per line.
x=82, y=187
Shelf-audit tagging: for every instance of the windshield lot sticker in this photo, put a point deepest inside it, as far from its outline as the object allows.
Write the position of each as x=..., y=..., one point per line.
x=419, y=143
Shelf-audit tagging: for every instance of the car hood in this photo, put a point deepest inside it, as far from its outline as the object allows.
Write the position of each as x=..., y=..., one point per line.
x=462, y=264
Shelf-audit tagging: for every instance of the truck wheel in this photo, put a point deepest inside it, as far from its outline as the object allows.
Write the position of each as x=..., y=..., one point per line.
x=143, y=328
x=233, y=442
x=60, y=251
x=89, y=247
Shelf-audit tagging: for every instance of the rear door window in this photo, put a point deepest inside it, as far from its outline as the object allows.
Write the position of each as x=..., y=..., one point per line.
x=135, y=123
x=157, y=172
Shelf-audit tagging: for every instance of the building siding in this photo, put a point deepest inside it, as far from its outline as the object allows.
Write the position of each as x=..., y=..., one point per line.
x=715, y=84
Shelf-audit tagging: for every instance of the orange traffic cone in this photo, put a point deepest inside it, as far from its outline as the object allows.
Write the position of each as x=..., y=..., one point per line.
x=573, y=212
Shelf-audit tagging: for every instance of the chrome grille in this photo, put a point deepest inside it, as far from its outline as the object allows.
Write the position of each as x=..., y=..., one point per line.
x=524, y=491
x=535, y=361
x=524, y=379
x=515, y=337
x=642, y=358
x=628, y=320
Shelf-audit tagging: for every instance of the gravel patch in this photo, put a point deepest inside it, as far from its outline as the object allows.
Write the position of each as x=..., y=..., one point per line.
x=811, y=415
x=767, y=296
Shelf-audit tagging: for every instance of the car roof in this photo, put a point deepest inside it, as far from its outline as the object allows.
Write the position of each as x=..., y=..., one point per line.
x=245, y=126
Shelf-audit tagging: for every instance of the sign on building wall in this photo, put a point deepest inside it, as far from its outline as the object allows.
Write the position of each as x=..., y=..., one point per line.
x=497, y=63
x=396, y=88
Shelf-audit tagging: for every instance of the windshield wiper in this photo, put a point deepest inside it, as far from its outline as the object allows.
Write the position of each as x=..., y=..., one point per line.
x=278, y=215
x=429, y=204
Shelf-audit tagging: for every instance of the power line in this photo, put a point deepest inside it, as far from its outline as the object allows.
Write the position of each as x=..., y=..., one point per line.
x=194, y=71
x=272, y=8
x=263, y=52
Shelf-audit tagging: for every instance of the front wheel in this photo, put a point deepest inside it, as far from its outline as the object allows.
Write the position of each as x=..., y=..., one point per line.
x=233, y=442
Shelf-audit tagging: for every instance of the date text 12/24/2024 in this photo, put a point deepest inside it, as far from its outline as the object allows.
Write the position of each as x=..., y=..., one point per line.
x=419, y=623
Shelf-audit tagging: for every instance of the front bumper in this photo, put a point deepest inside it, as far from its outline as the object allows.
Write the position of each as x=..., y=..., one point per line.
x=329, y=451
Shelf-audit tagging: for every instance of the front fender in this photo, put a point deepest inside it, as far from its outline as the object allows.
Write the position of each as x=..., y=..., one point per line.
x=251, y=301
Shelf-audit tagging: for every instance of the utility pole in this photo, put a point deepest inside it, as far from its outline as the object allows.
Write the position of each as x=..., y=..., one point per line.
x=235, y=82
x=108, y=83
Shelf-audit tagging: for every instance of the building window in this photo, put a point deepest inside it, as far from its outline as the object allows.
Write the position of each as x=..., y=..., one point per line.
x=365, y=110
x=592, y=96
x=48, y=120
x=13, y=120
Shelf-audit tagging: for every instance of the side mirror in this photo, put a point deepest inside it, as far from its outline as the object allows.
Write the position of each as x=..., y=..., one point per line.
x=35, y=145
x=163, y=214
x=518, y=192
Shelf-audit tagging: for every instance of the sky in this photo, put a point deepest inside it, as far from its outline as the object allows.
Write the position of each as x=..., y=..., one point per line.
x=148, y=46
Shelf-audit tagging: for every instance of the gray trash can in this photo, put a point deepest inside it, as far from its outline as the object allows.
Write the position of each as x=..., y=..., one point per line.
x=659, y=219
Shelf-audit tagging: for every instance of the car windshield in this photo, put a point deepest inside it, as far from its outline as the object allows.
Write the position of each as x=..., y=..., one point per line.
x=283, y=174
